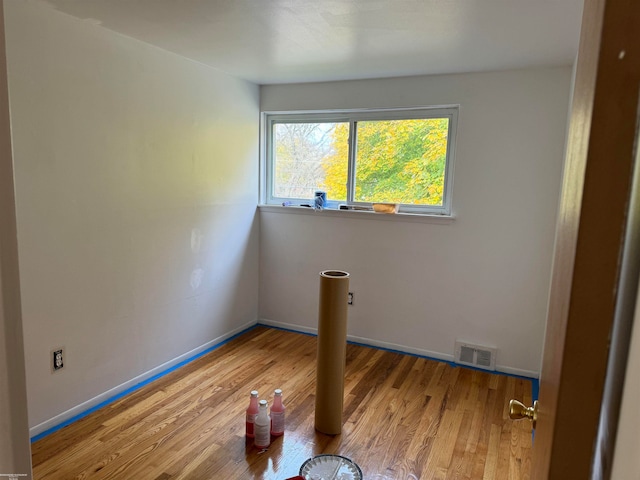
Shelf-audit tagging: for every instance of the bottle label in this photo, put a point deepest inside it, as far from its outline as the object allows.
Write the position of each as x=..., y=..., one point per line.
x=251, y=420
x=262, y=437
x=277, y=423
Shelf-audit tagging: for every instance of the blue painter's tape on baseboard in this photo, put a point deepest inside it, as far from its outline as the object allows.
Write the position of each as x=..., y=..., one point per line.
x=286, y=329
x=535, y=394
x=535, y=389
x=534, y=382
x=385, y=349
x=137, y=386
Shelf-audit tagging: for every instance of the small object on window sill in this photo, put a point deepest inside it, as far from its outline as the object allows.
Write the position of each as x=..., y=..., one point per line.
x=386, y=207
x=289, y=204
x=319, y=200
x=354, y=207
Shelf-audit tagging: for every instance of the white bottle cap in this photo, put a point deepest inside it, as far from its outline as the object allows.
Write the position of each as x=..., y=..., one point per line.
x=277, y=391
x=263, y=403
x=254, y=393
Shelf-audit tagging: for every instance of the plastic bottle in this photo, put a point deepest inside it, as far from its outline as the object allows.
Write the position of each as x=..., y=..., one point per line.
x=262, y=426
x=252, y=413
x=277, y=414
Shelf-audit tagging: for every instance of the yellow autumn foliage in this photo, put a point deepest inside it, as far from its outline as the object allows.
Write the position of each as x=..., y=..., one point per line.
x=399, y=161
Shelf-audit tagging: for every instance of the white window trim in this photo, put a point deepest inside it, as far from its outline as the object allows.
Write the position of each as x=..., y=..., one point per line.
x=268, y=118
x=360, y=215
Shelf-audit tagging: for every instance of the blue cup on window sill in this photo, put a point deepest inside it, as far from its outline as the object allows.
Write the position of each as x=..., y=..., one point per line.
x=320, y=199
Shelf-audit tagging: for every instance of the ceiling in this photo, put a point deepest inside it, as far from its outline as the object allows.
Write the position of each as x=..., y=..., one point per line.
x=285, y=41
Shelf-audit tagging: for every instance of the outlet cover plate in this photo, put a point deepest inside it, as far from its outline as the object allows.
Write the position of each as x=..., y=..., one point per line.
x=57, y=359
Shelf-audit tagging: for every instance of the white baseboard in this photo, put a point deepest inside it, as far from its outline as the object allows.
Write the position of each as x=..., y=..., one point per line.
x=84, y=407
x=518, y=372
x=288, y=326
x=399, y=348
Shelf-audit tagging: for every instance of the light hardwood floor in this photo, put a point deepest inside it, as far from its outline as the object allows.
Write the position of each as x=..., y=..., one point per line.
x=405, y=417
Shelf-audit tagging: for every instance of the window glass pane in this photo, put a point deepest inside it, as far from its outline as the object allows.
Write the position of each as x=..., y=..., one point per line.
x=401, y=161
x=309, y=157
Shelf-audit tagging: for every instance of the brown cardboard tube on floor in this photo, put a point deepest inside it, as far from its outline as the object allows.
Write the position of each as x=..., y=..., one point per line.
x=332, y=349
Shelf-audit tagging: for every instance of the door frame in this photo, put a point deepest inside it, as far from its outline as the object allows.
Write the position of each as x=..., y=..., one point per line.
x=592, y=224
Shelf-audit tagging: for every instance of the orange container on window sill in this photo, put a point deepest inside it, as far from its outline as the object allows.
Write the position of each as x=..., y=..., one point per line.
x=386, y=207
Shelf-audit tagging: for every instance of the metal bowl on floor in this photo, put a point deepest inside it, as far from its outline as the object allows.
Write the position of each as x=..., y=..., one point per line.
x=330, y=467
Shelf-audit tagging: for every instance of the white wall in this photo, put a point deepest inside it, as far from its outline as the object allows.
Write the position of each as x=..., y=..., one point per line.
x=483, y=277
x=15, y=451
x=136, y=179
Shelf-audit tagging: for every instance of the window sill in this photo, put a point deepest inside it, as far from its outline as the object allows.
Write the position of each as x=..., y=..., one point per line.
x=360, y=214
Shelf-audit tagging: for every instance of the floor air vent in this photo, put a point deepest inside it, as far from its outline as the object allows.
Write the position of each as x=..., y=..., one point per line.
x=475, y=355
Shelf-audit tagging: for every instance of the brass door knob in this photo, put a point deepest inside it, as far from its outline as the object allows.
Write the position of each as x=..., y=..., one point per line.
x=517, y=411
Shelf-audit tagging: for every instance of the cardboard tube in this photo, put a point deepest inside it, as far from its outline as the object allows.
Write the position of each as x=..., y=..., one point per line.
x=332, y=349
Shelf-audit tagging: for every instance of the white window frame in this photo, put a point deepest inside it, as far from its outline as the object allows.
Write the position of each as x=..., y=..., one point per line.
x=269, y=118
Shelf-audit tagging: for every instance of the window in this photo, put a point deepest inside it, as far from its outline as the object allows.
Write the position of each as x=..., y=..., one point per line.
x=358, y=158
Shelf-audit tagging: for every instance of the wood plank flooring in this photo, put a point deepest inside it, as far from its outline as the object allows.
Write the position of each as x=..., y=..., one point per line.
x=404, y=418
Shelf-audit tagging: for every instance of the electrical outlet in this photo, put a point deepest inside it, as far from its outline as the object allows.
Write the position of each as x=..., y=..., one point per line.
x=57, y=359
x=350, y=298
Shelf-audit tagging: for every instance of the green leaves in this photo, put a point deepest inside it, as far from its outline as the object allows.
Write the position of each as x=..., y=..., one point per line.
x=398, y=161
